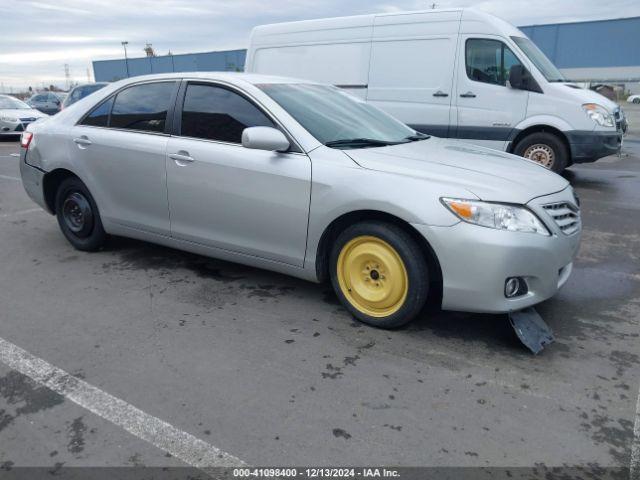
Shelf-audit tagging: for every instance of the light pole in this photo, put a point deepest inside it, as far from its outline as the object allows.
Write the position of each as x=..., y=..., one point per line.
x=126, y=60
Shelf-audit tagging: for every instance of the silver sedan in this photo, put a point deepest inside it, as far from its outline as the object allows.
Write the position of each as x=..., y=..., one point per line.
x=304, y=179
x=15, y=115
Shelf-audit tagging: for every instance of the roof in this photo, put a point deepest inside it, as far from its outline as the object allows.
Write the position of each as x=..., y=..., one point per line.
x=252, y=78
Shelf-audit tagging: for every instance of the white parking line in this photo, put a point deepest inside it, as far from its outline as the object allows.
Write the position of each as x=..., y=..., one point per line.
x=7, y=177
x=634, y=466
x=20, y=212
x=182, y=445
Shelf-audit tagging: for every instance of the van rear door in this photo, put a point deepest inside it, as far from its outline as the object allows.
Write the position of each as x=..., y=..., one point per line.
x=411, y=74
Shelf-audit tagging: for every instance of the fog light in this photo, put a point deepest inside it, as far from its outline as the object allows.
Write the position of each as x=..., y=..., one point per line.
x=514, y=287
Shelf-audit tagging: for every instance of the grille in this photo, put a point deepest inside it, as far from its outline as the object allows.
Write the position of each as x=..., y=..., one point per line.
x=566, y=216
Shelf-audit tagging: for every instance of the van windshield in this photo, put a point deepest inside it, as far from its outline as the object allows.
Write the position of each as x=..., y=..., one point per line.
x=539, y=59
x=338, y=119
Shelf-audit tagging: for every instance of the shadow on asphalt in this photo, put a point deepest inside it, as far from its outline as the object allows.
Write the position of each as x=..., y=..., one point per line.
x=494, y=331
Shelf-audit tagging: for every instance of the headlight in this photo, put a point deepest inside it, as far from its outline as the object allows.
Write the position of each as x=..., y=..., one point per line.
x=496, y=215
x=9, y=119
x=598, y=114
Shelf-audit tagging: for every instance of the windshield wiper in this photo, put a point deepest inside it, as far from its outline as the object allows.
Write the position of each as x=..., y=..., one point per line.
x=360, y=142
x=417, y=136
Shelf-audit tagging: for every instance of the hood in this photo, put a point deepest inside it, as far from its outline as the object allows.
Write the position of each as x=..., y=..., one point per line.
x=582, y=95
x=22, y=113
x=488, y=174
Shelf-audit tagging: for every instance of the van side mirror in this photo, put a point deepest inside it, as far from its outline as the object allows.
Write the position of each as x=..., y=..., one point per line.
x=265, y=138
x=521, y=79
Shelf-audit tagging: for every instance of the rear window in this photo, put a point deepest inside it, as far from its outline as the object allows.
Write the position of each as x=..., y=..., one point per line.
x=143, y=107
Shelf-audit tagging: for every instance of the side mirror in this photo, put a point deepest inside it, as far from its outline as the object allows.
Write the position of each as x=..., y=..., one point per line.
x=521, y=79
x=264, y=138
x=516, y=76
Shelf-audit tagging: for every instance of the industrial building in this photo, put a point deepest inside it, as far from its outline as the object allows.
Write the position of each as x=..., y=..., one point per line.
x=112, y=70
x=602, y=51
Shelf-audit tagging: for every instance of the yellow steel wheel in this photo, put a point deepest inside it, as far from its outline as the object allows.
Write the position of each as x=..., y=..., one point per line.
x=372, y=276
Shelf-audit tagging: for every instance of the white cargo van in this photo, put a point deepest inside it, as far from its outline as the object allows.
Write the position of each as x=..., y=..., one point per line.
x=457, y=73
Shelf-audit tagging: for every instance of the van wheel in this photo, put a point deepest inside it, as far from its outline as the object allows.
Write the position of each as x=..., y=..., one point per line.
x=379, y=274
x=78, y=216
x=544, y=148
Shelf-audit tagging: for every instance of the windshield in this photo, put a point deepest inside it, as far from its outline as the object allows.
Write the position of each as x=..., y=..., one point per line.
x=336, y=118
x=539, y=59
x=13, y=103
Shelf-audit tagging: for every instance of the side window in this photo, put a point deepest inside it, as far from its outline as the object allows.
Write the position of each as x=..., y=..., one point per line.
x=99, y=117
x=75, y=94
x=142, y=107
x=489, y=61
x=216, y=113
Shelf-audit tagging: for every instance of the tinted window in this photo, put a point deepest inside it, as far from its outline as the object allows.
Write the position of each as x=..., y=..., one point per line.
x=216, y=113
x=99, y=117
x=142, y=107
x=489, y=61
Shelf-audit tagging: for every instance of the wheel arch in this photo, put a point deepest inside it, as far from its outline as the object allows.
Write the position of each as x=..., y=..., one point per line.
x=540, y=128
x=50, y=184
x=332, y=231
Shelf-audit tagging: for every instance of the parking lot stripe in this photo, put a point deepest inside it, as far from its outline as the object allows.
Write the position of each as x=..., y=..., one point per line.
x=634, y=467
x=180, y=444
x=7, y=177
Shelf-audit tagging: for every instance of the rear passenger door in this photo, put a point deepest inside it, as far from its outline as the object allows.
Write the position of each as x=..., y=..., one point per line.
x=223, y=195
x=121, y=148
x=411, y=73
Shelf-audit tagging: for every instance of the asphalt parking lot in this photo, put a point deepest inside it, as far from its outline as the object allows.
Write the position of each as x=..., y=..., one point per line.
x=272, y=371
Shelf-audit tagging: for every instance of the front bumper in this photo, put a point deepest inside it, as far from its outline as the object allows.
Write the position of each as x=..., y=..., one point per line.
x=32, y=180
x=590, y=146
x=476, y=261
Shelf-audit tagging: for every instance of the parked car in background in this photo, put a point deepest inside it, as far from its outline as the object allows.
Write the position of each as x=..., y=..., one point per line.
x=47, y=102
x=81, y=91
x=634, y=99
x=15, y=115
x=457, y=73
x=388, y=215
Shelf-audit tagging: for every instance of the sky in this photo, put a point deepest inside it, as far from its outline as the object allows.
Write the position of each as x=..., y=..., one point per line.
x=38, y=37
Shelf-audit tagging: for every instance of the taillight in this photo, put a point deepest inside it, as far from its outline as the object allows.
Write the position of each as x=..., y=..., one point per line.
x=25, y=139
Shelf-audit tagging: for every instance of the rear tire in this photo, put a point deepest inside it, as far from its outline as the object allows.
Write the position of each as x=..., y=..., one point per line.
x=379, y=273
x=544, y=148
x=636, y=100
x=78, y=216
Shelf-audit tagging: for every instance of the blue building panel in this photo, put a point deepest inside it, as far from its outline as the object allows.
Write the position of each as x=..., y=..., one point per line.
x=112, y=70
x=597, y=44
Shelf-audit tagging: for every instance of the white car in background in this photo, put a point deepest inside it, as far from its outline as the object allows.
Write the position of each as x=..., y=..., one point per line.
x=15, y=115
x=634, y=99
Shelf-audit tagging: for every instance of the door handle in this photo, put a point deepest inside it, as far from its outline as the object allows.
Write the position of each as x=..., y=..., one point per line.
x=181, y=158
x=440, y=93
x=82, y=141
x=468, y=95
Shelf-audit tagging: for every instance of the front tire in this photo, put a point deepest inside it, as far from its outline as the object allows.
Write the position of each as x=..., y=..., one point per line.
x=544, y=148
x=379, y=273
x=636, y=100
x=78, y=216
